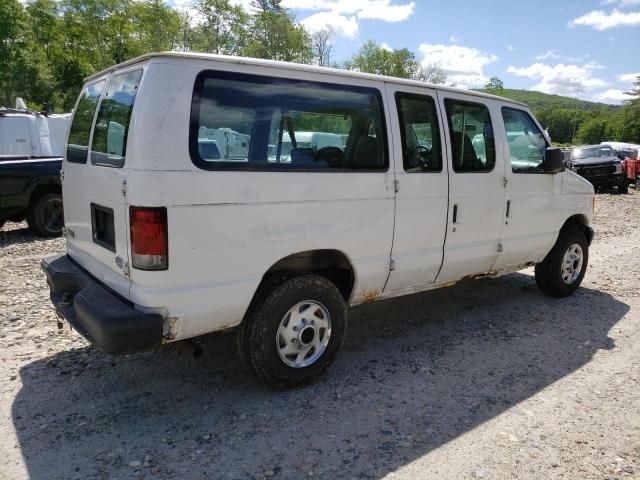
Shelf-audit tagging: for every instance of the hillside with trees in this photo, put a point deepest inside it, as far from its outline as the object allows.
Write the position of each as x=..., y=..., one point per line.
x=574, y=121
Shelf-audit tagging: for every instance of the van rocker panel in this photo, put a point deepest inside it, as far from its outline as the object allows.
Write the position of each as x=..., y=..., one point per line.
x=107, y=321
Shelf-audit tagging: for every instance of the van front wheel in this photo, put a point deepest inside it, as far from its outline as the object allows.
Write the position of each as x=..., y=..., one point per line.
x=294, y=331
x=562, y=270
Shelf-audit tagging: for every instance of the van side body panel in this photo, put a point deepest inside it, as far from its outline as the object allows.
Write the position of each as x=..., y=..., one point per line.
x=227, y=228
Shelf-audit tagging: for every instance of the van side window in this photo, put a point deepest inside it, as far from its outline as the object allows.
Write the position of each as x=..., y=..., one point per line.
x=80, y=130
x=108, y=147
x=471, y=135
x=254, y=122
x=420, y=131
x=527, y=145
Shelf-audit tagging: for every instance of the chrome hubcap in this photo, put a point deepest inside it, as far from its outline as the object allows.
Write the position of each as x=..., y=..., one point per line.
x=303, y=334
x=572, y=264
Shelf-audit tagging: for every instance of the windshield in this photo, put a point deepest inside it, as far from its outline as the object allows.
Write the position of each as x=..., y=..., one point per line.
x=595, y=152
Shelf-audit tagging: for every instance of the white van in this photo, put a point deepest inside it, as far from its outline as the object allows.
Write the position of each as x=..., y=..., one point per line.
x=165, y=245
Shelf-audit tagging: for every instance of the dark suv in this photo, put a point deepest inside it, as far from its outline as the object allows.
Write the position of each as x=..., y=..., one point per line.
x=600, y=165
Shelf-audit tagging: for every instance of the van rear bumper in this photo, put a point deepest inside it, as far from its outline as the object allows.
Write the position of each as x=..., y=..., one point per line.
x=108, y=321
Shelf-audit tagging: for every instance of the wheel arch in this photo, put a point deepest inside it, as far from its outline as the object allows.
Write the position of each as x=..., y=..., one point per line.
x=332, y=264
x=581, y=222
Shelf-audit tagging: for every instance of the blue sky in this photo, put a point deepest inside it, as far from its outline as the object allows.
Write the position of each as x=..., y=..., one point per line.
x=589, y=47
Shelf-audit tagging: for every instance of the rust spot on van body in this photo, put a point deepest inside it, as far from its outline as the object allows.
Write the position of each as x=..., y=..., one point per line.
x=170, y=328
x=370, y=296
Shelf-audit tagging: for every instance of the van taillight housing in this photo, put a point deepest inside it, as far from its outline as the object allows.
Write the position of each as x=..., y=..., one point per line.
x=149, y=240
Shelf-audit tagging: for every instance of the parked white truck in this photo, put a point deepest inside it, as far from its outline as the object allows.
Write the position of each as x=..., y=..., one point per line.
x=164, y=245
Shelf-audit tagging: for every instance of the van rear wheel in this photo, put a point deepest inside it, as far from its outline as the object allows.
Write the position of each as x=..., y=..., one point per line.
x=562, y=270
x=294, y=331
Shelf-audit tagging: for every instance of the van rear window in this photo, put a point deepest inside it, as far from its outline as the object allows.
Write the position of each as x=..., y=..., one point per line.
x=252, y=122
x=80, y=130
x=109, y=144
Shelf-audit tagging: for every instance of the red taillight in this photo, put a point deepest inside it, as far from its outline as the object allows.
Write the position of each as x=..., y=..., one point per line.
x=149, y=242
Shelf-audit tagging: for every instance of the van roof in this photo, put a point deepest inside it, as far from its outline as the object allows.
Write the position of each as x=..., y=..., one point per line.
x=297, y=67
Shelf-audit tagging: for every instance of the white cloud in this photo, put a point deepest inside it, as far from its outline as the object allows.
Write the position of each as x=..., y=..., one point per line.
x=370, y=9
x=463, y=65
x=561, y=79
x=453, y=39
x=343, y=25
x=386, y=46
x=601, y=20
x=622, y=3
x=628, y=77
x=555, y=55
x=344, y=16
x=611, y=96
x=511, y=48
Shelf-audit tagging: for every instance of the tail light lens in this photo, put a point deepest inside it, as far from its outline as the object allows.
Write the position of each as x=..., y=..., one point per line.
x=149, y=240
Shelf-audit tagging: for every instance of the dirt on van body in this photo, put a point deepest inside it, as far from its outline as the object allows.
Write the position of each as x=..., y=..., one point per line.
x=486, y=379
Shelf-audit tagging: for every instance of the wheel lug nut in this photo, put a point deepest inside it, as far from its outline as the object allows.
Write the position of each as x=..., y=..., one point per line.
x=295, y=329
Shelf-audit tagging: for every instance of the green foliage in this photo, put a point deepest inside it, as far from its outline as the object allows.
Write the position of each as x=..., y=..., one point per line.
x=402, y=63
x=48, y=47
x=494, y=86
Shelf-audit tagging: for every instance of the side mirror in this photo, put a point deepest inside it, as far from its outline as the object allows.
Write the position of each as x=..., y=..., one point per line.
x=553, y=161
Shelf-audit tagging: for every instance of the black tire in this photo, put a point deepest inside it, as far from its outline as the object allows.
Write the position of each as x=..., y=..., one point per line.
x=45, y=216
x=549, y=275
x=624, y=188
x=258, y=336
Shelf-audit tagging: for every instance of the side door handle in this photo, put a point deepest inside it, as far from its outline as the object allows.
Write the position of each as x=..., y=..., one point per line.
x=455, y=213
x=508, y=208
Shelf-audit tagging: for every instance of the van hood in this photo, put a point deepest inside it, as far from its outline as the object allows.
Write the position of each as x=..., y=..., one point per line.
x=574, y=183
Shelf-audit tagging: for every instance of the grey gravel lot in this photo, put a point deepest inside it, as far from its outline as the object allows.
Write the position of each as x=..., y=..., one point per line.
x=486, y=379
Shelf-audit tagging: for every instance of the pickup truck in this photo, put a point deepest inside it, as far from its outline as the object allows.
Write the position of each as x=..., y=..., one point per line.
x=31, y=189
x=31, y=149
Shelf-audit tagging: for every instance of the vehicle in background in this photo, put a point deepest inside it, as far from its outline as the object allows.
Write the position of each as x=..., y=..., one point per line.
x=600, y=165
x=312, y=140
x=631, y=164
x=31, y=149
x=26, y=135
x=231, y=145
x=173, y=231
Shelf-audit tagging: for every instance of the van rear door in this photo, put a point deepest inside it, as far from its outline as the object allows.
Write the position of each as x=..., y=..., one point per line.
x=94, y=178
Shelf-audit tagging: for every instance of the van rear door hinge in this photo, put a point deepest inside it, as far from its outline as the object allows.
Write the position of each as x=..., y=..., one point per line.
x=396, y=185
x=124, y=188
x=505, y=182
x=392, y=265
x=499, y=247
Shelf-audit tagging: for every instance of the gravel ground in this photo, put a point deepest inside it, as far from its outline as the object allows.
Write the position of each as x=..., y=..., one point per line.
x=486, y=379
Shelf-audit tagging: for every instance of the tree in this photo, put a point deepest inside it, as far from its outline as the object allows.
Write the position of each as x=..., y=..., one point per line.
x=12, y=46
x=635, y=93
x=431, y=73
x=274, y=35
x=593, y=130
x=159, y=26
x=494, y=85
x=221, y=30
x=401, y=63
x=322, y=44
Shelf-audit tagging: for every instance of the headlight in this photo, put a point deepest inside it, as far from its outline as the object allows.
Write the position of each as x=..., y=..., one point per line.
x=619, y=167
